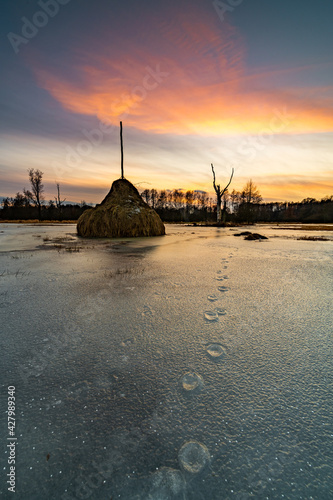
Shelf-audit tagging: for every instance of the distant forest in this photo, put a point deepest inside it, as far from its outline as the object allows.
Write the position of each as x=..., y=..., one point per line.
x=237, y=206
x=244, y=206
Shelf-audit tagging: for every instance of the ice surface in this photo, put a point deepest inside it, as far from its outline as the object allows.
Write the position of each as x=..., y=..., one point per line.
x=100, y=336
x=166, y=483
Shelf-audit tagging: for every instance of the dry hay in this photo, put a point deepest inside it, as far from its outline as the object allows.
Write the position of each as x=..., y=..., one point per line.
x=122, y=213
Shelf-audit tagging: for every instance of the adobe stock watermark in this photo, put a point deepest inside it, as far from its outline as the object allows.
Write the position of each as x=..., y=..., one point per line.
x=93, y=138
x=252, y=144
x=222, y=8
x=40, y=19
x=249, y=147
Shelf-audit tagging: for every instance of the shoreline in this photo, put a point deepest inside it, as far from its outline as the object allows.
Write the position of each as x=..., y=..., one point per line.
x=325, y=226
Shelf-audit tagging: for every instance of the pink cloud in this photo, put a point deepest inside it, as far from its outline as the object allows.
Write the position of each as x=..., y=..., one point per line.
x=185, y=75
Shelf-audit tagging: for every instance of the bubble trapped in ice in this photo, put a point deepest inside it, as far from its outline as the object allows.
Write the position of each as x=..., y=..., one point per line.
x=220, y=311
x=216, y=351
x=211, y=316
x=193, y=457
x=191, y=382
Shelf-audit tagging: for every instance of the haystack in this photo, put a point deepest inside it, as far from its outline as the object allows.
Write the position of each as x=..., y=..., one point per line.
x=122, y=214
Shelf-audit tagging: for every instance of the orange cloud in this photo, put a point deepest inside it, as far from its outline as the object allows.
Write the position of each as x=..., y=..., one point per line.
x=187, y=77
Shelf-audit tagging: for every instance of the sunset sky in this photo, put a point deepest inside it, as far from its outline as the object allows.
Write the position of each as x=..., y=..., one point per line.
x=242, y=83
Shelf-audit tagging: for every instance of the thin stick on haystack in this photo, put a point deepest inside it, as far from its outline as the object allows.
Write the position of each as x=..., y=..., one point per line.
x=122, y=150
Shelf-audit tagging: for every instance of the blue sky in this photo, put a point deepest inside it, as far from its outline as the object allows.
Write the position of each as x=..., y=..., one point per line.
x=243, y=84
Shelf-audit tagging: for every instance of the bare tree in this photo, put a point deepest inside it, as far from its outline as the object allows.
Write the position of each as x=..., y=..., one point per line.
x=202, y=199
x=36, y=195
x=225, y=200
x=235, y=200
x=251, y=192
x=59, y=201
x=189, y=198
x=146, y=195
x=153, y=197
x=177, y=198
x=219, y=194
x=250, y=198
x=20, y=200
x=162, y=199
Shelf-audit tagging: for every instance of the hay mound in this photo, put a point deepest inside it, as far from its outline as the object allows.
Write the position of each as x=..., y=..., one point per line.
x=122, y=214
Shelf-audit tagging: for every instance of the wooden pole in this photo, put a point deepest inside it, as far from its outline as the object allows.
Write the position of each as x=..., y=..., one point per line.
x=122, y=150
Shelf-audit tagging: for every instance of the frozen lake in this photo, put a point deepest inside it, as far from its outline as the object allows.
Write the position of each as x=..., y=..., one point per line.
x=194, y=366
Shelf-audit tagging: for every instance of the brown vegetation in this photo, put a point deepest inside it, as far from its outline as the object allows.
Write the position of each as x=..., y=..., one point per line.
x=313, y=238
x=122, y=213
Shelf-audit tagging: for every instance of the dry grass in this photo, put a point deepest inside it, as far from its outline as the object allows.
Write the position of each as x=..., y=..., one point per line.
x=71, y=248
x=304, y=227
x=74, y=248
x=123, y=213
x=313, y=238
x=317, y=228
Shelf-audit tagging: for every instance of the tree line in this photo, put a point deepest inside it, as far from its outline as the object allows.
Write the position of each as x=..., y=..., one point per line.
x=197, y=206
x=244, y=206
x=176, y=205
x=31, y=204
